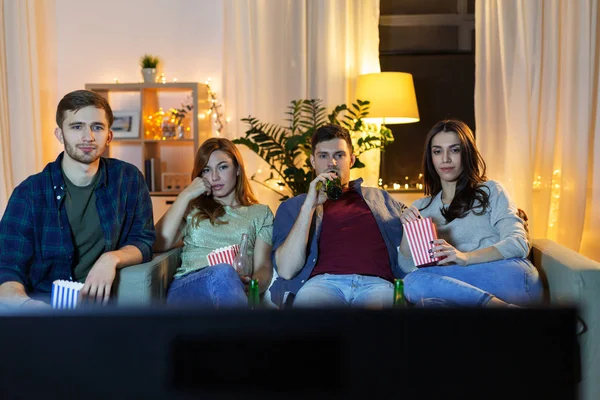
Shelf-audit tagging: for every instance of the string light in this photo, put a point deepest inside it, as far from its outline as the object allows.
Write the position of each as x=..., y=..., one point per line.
x=154, y=123
x=554, y=198
x=214, y=109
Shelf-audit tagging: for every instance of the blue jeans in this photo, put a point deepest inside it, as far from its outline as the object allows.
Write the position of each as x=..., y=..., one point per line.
x=217, y=286
x=515, y=281
x=329, y=290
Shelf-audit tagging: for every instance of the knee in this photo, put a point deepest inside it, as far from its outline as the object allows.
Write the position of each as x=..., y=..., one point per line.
x=414, y=286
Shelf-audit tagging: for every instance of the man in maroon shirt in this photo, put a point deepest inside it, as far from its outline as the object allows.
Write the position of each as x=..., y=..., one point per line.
x=336, y=252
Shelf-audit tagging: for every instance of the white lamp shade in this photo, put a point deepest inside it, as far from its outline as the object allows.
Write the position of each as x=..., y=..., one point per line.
x=392, y=97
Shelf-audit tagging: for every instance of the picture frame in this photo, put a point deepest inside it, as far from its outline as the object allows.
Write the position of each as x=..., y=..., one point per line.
x=174, y=181
x=126, y=124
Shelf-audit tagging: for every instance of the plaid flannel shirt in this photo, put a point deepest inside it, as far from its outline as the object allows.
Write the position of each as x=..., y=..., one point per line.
x=36, y=245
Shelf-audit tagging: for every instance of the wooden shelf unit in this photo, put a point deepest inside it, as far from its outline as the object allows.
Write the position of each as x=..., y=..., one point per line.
x=174, y=155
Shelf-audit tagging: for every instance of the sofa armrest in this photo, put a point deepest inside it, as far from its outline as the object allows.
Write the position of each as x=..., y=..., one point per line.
x=147, y=283
x=569, y=276
x=574, y=279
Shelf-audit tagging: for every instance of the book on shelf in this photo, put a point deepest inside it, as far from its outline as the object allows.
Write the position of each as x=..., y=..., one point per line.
x=151, y=167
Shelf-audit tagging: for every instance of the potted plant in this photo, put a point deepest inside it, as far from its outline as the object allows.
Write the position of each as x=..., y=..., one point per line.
x=286, y=149
x=149, y=63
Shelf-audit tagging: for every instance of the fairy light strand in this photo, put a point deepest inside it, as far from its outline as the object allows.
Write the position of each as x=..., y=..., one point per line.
x=215, y=109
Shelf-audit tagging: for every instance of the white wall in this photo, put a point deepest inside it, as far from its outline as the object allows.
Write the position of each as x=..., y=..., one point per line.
x=97, y=41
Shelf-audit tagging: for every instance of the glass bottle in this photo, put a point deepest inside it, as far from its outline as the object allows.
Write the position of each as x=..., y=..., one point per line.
x=253, y=294
x=399, y=300
x=242, y=261
x=333, y=188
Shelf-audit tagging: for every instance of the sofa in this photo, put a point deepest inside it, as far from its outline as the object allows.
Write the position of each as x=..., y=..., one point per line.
x=569, y=279
x=572, y=279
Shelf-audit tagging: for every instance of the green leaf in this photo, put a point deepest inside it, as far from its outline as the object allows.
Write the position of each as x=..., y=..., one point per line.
x=287, y=149
x=248, y=143
x=358, y=164
x=293, y=142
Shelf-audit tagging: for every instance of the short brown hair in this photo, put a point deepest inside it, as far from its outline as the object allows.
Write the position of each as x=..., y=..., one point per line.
x=79, y=99
x=330, y=132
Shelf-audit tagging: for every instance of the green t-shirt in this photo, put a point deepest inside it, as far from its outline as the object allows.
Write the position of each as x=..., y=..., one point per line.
x=255, y=220
x=88, y=238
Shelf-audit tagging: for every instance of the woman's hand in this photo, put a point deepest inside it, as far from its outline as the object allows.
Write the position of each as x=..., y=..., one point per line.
x=410, y=214
x=198, y=187
x=448, y=253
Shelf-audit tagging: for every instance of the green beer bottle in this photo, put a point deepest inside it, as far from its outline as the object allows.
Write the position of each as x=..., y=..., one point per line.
x=333, y=188
x=253, y=294
x=399, y=300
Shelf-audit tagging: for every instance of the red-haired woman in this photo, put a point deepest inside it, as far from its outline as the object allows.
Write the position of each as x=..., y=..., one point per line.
x=213, y=212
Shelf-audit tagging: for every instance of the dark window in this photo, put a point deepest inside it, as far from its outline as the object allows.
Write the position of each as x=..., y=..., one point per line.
x=408, y=7
x=444, y=85
x=435, y=42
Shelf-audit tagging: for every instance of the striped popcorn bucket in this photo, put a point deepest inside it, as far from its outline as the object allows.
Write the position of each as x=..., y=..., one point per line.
x=65, y=294
x=223, y=255
x=420, y=233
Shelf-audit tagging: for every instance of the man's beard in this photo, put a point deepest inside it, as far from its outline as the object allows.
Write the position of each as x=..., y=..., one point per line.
x=82, y=157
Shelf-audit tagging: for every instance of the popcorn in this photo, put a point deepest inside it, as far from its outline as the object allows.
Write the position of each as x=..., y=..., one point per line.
x=420, y=233
x=223, y=255
x=65, y=294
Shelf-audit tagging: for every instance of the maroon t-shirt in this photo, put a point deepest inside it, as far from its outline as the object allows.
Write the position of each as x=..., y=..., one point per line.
x=350, y=241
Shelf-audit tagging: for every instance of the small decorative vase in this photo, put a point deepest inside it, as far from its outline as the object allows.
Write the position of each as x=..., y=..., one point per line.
x=149, y=75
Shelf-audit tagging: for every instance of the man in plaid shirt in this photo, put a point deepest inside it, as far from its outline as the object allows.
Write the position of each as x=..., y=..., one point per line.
x=81, y=218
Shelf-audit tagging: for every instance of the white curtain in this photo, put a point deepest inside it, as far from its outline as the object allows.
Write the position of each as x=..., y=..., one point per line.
x=6, y=181
x=276, y=51
x=25, y=92
x=536, y=111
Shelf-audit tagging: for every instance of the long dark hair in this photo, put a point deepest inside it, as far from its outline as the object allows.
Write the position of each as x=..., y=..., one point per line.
x=207, y=206
x=469, y=194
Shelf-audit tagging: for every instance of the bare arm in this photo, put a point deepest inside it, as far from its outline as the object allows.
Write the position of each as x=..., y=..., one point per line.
x=170, y=227
x=451, y=255
x=263, y=268
x=484, y=255
x=291, y=255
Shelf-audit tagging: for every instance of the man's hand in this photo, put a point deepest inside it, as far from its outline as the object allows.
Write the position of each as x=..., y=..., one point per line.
x=99, y=281
x=316, y=197
x=14, y=295
x=31, y=304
